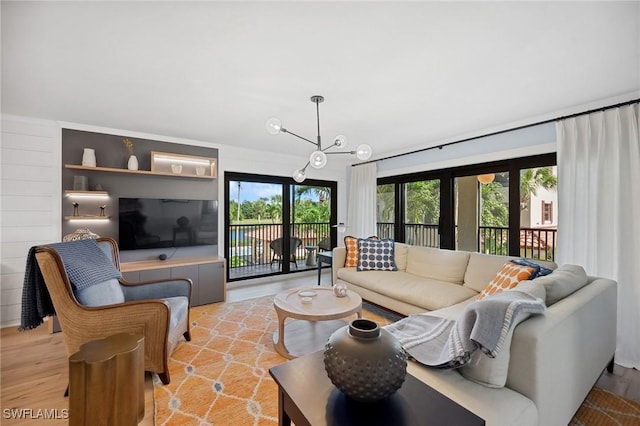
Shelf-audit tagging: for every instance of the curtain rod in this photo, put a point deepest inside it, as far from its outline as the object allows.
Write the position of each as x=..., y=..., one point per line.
x=512, y=129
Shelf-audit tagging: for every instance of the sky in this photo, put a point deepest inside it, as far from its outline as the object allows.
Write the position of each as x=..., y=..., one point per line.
x=251, y=191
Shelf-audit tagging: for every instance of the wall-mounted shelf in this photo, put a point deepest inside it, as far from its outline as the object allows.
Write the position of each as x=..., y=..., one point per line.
x=183, y=165
x=134, y=172
x=91, y=194
x=87, y=217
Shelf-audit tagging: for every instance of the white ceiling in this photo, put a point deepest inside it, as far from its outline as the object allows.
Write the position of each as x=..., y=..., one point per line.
x=398, y=76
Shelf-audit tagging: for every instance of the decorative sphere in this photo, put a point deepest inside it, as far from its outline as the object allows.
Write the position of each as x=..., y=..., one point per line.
x=318, y=159
x=365, y=361
x=363, y=152
x=299, y=175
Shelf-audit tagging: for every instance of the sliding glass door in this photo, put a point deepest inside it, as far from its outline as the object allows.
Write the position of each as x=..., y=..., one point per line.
x=504, y=208
x=276, y=226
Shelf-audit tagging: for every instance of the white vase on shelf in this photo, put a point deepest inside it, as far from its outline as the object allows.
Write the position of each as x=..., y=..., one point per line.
x=89, y=157
x=133, y=163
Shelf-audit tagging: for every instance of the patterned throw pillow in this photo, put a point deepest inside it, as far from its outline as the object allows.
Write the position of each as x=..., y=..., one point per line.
x=351, y=244
x=376, y=255
x=509, y=275
x=542, y=270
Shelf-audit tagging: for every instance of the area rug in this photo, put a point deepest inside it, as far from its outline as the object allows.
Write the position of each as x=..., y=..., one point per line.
x=222, y=376
x=603, y=408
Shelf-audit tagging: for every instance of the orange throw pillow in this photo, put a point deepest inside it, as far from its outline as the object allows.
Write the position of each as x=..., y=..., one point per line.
x=351, y=244
x=509, y=275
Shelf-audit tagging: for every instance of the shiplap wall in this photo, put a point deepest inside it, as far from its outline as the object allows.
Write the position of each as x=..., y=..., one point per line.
x=29, y=201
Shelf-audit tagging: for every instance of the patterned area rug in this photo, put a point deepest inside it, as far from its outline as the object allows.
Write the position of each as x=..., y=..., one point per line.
x=222, y=376
x=603, y=408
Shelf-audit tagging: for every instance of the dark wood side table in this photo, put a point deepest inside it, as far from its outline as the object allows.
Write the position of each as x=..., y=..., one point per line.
x=306, y=396
x=324, y=257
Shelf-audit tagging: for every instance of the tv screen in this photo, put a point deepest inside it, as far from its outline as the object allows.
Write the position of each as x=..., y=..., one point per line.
x=146, y=223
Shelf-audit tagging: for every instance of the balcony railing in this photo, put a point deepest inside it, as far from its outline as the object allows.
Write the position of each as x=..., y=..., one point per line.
x=535, y=243
x=249, y=244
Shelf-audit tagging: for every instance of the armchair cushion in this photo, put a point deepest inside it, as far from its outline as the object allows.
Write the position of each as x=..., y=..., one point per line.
x=105, y=293
x=179, y=306
x=157, y=290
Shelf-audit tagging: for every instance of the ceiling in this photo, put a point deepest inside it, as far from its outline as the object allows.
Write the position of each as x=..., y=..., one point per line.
x=396, y=75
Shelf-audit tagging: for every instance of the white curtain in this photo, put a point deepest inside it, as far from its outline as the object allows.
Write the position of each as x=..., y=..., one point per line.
x=361, y=218
x=599, y=209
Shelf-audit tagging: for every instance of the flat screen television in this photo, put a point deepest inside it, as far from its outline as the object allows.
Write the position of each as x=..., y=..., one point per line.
x=146, y=223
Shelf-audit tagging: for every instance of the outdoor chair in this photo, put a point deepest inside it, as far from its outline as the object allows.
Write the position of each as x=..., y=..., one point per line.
x=157, y=309
x=277, y=248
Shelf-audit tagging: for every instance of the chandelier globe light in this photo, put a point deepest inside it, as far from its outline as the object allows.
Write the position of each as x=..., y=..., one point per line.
x=318, y=158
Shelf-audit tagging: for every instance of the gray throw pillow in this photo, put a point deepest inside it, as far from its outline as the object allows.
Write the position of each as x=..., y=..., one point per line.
x=563, y=281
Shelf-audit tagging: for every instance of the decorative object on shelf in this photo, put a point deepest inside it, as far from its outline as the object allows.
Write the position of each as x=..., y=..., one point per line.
x=97, y=187
x=188, y=165
x=89, y=157
x=318, y=158
x=76, y=206
x=486, y=179
x=102, y=207
x=132, y=164
x=80, y=234
x=340, y=289
x=80, y=183
x=365, y=361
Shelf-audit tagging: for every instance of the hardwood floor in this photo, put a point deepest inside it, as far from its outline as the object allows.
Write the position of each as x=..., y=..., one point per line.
x=34, y=365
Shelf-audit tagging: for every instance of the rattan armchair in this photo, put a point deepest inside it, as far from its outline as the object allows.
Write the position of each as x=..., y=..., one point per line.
x=146, y=310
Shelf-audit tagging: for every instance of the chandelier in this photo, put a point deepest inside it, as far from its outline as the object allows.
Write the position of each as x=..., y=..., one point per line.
x=318, y=158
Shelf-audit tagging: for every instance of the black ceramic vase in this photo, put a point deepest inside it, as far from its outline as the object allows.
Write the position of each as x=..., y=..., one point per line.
x=364, y=361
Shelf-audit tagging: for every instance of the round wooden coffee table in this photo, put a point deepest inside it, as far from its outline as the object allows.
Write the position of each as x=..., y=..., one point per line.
x=312, y=322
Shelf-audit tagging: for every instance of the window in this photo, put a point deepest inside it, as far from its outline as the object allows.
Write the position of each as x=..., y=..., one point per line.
x=481, y=207
x=547, y=213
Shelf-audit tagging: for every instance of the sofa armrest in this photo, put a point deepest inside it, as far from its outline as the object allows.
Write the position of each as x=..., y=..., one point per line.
x=557, y=357
x=339, y=256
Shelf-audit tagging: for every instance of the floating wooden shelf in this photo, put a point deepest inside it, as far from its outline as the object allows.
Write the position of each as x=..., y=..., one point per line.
x=134, y=172
x=88, y=217
x=74, y=192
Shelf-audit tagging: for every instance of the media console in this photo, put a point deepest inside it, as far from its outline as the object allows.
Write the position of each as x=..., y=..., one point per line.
x=206, y=272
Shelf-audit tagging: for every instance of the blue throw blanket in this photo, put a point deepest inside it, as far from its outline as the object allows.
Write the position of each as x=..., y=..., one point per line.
x=484, y=325
x=85, y=263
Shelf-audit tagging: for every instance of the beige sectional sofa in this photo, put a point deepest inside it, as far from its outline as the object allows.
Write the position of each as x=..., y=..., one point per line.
x=554, y=359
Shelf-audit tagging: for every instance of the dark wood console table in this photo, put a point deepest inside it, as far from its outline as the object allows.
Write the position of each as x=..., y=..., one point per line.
x=306, y=396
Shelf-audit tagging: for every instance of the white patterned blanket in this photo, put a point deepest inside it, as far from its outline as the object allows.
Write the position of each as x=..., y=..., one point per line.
x=484, y=325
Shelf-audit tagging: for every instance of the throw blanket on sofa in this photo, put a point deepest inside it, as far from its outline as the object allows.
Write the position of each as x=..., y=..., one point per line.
x=85, y=264
x=484, y=325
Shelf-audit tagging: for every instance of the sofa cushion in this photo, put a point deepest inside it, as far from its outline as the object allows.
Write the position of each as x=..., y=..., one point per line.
x=351, y=244
x=542, y=270
x=508, y=277
x=107, y=292
x=427, y=293
x=401, y=251
x=565, y=280
x=376, y=255
x=493, y=372
x=481, y=269
x=437, y=264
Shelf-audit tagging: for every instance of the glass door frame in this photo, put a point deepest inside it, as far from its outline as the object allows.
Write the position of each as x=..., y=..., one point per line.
x=447, y=178
x=287, y=184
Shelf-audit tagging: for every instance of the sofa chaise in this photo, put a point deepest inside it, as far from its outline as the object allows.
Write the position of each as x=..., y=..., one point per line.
x=554, y=359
